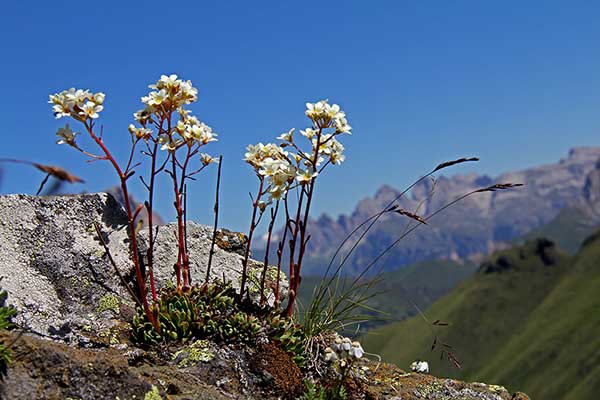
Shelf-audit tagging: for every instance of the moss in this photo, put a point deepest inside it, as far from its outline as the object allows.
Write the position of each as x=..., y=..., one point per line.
x=108, y=302
x=195, y=353
x=153, y=394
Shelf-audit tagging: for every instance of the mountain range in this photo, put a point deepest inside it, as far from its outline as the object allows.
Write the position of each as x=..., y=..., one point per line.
x=470, y=230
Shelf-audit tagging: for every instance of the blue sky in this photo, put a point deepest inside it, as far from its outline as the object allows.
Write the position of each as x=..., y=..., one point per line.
x=515, y=83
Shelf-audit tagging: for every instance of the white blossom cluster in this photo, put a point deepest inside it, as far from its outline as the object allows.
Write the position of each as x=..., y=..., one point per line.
x=283, y=167
x=420, y=367
x=79, y=104
x=171, y=94
x=167, y=99
x=272, y=162
x=342, y=349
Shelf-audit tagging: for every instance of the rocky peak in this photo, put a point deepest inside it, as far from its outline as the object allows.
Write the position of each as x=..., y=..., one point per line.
x=470, y=227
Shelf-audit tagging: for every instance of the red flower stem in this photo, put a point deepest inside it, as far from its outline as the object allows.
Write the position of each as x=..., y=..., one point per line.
x=133, y=246
x=295, y=267
x=180, y=230
x=268, y=248
x=250, y=234
x=292, y=246
x=183, y=225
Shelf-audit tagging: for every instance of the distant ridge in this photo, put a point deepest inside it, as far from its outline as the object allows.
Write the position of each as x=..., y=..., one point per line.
x=476, y=227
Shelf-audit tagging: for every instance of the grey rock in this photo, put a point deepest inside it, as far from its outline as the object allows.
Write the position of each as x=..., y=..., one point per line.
x=59, y=277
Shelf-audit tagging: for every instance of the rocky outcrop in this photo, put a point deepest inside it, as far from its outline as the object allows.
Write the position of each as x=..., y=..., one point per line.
x=46, y=370
x=478, y=225
x=73, y=340
x=58, y=273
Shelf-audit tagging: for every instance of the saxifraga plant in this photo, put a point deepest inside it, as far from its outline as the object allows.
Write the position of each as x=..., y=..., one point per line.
x=286, y=167
x=164, y=122
x=217, y=312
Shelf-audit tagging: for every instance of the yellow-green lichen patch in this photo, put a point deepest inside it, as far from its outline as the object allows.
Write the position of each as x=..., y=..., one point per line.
x=111, y=335
x=198, y=351
x=153, y=394
x=254, y=276
x=109, y=302
x=496, y=388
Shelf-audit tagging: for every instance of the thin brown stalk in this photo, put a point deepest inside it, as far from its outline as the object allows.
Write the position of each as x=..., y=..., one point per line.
x=216, y=223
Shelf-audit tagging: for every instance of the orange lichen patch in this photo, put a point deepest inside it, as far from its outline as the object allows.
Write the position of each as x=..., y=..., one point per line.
x=276, y=363
x=231, y=241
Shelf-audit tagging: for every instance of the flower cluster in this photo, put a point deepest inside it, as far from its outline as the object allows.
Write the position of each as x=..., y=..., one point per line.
x=170, y=95
x=342, y=349
x=79, y=104
x=283, y=167
x=325, y=115
x=421, y=367
x=272, y=162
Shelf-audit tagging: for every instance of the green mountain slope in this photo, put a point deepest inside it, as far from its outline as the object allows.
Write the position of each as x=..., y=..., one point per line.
x=568, y=229
x=529, y=320
x=421, y=283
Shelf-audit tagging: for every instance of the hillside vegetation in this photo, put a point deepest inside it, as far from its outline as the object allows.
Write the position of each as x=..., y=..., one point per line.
x=527, y=319
x=420, y=283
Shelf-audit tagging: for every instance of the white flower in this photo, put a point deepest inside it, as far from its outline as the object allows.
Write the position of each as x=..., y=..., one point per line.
x=346, y=344
x=98, y=98
x=341, y=126
x=420, y=367
x=304, y=176
x=337, y=343
x=67, y=136
x=356, y=350
x=62, y=106
x=175, y=91
x=90, y=110
x=155, y=98
x=140, y=133
x=329, y=355
x=168, y=144
x=309, y=133
x=143, y=116
x=167, y=81
x=202, y=133
x=334, y=112
x=256, y=154
x=277, y=192
x=187, y=93
x=207, y=159
x=316, y=110
x=287, y=136
x=77, y=97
